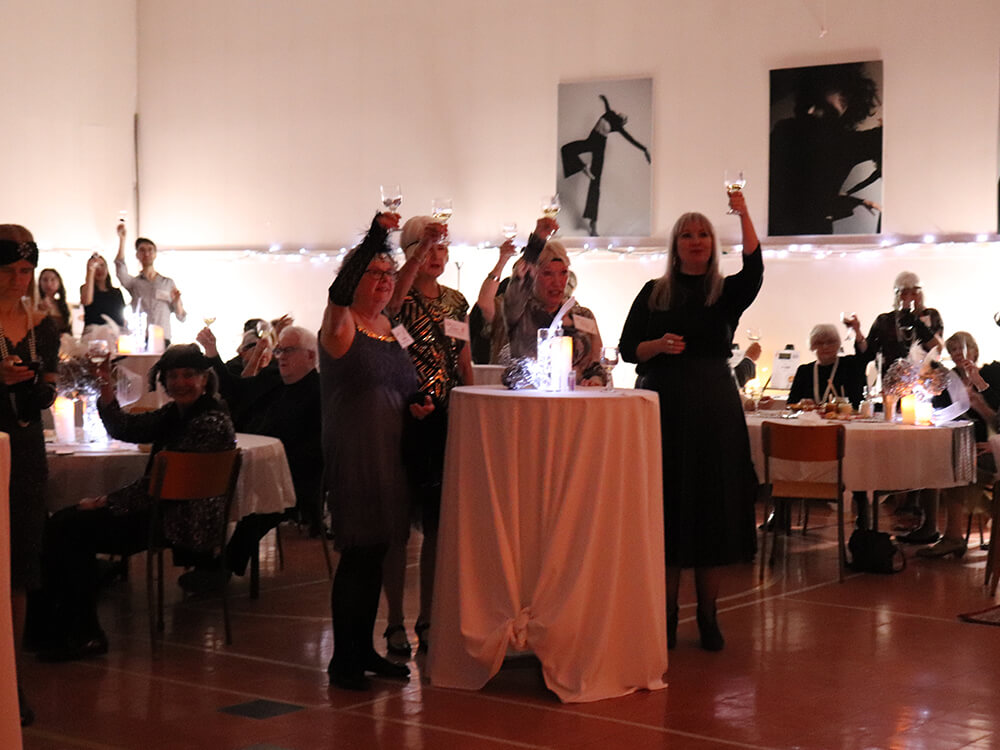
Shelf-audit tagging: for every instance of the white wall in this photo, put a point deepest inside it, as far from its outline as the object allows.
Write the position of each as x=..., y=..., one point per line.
x=68, y=80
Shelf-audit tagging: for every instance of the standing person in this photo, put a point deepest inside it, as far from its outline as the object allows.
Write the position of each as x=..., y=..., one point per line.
x=679, y=331
x=99, y=298
x=52, y=297
x=436, y=317
x=367, y=385
x=595, y=144
x=29, y=354
x=157, y=294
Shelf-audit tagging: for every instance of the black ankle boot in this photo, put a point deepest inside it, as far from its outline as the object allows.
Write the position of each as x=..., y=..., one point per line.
x=672, y=618
x=708, y=628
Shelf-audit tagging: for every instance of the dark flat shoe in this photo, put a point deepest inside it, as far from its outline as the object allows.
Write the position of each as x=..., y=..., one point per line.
x=382, y=667
x=75, y=650
x=708, y=629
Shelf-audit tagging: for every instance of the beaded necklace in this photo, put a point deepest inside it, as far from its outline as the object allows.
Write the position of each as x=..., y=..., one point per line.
x=32, y=345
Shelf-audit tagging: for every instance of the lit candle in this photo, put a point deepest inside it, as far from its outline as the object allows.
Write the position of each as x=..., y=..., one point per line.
x=908, y=408
x=924, y=410
x=64, y=418
x=562, y=363
x=125, y=345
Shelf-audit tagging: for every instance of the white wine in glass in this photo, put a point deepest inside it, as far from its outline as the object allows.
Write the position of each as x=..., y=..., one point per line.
x=441, y=209
x=753, y=334
x=734, y=185
x=392, y=197
x=551, y=206
x=609, y=358
x=509, y=230
x=209, y=319
x=98, y=351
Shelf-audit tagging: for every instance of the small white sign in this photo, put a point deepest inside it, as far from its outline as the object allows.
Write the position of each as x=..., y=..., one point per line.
x=456, y=329
x=402, y=336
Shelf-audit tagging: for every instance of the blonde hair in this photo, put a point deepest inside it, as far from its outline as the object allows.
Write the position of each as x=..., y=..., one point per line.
x=411, y=233
x=962, y=340
x=665, y=288
x=553, y=250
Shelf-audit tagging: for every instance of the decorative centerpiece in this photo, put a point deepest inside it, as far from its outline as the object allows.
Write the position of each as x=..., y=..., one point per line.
x=913, y=385
x=78, y=381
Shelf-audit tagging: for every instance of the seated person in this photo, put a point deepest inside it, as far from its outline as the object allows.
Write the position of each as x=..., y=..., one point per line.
x=983, y=387
x=746, y=368
x=237, y=364
x=532, y=301
x=194, y=420
x=832, y=376
x=286, y=407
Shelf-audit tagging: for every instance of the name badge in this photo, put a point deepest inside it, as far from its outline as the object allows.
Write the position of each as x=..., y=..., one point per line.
x=585, y=324
x=402, y=336
x=456, y=329
x=162, y=295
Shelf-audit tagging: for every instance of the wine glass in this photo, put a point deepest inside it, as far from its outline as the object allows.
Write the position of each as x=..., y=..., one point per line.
x=392, y=197
x=441, y=209
x=209, y=319
x=847, y=318
x=509, y=230
x=550, y=206
x=753, y=334
x=98, y=351
x=609, y=358
x=734, y=185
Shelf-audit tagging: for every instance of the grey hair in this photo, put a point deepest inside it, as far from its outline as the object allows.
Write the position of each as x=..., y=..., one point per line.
x=823, y=332
x=307, y=339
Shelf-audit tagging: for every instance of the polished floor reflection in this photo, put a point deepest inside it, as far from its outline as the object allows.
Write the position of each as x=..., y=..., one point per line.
x=875, y=662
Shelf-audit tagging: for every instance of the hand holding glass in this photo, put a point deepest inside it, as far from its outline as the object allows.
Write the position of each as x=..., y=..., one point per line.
x=734, y=185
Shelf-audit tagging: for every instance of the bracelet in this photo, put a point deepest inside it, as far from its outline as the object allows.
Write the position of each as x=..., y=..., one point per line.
x=492, y=277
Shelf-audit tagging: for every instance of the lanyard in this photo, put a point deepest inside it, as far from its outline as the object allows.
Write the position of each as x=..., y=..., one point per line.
x=829, y=383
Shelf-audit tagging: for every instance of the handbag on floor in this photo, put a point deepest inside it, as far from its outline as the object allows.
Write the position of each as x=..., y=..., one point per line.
x=874, y=552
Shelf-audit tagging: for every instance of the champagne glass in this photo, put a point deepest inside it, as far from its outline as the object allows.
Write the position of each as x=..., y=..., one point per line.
x=550, y=206
x=753, y=334
x=98, y=350
x=209, y=319
x=847, y=318
x=734, y=185
x=609, y=358
x=441, y=209
x=509, y=230
x=392, y=197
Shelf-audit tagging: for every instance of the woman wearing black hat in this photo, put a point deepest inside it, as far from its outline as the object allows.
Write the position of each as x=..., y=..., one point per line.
x=29, y=353
x=194, y=420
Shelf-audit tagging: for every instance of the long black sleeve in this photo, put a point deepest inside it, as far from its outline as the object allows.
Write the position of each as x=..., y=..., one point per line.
x=356, y=263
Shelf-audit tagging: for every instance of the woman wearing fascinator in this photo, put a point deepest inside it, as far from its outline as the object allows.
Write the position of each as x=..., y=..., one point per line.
x=29, y=353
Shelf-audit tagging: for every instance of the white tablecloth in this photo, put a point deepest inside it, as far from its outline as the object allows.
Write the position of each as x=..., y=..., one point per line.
x=264, y=485
x=551, y=540
x=885, y=455
x=488, y=374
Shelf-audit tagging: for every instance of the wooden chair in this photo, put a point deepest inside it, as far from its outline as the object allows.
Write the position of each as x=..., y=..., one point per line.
x=805, y=443
x=184, y=477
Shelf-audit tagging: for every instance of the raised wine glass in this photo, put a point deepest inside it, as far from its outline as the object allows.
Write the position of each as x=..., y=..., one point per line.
x=609, y=358
x=550, y=205
x=753, y=334
x=734, y=182
x=392, y=197
x=509, y=230
x=98, y=350
x=441, y=209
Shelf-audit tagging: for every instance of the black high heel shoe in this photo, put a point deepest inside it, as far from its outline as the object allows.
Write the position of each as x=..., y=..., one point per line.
x=708, y=629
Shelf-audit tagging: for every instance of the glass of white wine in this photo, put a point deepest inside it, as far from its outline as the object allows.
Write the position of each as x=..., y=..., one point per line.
x=734, y=182
x=392, y=197
x=509, y=230
x=753, y=334
x=209, y=319
x=441, y=209
x=550, y=206
x=98, y=351
x=609, y=358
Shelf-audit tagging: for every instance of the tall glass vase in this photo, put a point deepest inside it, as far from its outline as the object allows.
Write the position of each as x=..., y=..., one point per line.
x=93, y=427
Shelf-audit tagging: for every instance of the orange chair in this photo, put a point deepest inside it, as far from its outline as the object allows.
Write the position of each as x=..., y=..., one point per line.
x=993, y=558
x=183, y=477
x=804, y=443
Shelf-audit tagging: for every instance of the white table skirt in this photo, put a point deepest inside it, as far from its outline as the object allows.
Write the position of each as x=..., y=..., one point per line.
x=264, y=485
x=551, y=539
x=883, y=455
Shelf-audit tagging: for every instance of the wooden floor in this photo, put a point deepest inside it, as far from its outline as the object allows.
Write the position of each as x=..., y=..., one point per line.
x=876, y=662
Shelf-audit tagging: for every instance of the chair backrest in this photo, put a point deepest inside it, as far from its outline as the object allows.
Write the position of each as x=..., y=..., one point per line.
x=181, y=475
x=808, y=443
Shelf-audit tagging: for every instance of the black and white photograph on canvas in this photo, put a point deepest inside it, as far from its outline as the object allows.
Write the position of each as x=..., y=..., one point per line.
x=826, y=150
x=603, y=175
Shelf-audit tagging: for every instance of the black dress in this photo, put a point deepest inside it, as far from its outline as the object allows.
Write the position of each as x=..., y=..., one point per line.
x=21, y=419
x=709, y=484
x=106, y=302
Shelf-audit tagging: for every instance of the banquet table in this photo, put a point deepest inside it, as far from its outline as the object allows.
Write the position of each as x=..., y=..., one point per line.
x=86, y=470
x=551, y=540
x=881, y=455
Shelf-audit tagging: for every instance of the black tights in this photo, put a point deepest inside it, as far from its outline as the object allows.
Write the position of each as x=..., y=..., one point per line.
x=357, y=586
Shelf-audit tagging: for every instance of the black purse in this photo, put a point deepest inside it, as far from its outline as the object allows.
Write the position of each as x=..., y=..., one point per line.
x=874, y=552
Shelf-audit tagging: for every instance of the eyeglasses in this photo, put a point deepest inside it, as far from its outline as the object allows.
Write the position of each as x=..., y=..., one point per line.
x=280, y=350
x=379, y=275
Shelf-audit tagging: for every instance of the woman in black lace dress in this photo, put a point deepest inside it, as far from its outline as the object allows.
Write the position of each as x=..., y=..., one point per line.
x=679, y=331
x=194, y=420
x=29, y=354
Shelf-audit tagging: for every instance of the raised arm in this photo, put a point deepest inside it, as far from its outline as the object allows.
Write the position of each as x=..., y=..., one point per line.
x=337, y=331
x=120, y=270
x=488, y=289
